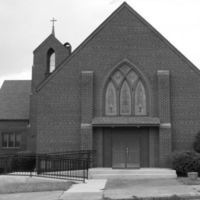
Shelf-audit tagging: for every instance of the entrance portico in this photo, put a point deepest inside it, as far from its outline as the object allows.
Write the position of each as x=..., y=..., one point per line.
x=126, y=145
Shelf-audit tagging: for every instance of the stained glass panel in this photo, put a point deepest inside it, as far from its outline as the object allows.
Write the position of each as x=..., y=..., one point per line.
x=140, y=100
x=125, y=99
x=111, y=100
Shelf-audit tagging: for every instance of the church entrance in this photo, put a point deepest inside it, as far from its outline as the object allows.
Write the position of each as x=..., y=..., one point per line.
x=125, y=149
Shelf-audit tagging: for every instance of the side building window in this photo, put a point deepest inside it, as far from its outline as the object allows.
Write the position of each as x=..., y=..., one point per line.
x=11, y=140
x=51, y=60
x=125, y=93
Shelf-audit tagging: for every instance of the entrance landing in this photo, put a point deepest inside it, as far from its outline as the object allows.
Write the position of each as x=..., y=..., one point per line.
x=142, y=173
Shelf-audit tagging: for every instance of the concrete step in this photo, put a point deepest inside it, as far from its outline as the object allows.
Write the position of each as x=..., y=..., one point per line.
x=142, y=173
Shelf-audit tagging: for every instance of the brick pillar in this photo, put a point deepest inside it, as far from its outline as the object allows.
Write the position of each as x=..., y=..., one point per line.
x=86, y=109
x=165, y=135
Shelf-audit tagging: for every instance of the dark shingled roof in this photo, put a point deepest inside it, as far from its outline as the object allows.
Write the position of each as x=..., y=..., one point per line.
x=14, y=100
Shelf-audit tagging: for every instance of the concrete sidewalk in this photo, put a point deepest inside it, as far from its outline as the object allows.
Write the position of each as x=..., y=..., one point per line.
x=91, y=190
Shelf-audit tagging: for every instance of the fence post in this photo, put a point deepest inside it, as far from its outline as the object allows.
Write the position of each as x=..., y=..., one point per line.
x=6, y=165
x=88, y=165
x=84, y=168
x=37, y=164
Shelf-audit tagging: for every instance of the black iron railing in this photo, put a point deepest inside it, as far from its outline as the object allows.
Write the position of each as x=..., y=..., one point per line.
x=72, y=165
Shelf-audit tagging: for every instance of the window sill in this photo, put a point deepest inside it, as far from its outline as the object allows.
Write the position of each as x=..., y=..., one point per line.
x=6, y=148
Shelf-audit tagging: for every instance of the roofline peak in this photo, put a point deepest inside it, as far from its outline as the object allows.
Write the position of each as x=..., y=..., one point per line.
x=124, y=4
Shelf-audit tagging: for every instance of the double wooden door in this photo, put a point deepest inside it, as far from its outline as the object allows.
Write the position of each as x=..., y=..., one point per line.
x=125, y=149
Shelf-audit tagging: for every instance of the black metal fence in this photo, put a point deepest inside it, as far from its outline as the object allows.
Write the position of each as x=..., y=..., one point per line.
x=72, y=165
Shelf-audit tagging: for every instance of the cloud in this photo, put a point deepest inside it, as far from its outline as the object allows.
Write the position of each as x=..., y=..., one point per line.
x=23, y=30
x=115, y=1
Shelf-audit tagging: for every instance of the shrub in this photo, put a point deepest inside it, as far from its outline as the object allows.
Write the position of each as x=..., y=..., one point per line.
x=1, y=170
x=184, y=162
x=23, y=163
x=196, y=144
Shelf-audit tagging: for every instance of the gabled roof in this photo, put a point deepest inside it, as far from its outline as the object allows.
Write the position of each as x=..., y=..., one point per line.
x=92, y=35
x=14, y=100
x=50, y=37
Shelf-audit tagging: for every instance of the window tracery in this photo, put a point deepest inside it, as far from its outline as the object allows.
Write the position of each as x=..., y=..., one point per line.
x=125, y=93
x=125, y=99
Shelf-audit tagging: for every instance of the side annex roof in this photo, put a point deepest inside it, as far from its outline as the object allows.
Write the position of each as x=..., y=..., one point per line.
x=14, y=100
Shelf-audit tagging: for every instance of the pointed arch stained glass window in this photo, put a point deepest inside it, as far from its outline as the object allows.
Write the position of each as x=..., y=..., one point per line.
x=111, y=102
x=125, y=93
x=140, y=99
x=125, y=99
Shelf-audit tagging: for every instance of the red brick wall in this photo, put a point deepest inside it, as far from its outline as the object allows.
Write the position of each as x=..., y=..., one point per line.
x=124, y=36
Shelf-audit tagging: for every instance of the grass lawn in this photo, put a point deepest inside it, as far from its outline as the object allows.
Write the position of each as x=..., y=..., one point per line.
x=156, y=189
x=187, y=181
x=10, y=184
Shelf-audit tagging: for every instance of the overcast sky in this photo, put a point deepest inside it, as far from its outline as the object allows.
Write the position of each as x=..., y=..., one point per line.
x=24, y=24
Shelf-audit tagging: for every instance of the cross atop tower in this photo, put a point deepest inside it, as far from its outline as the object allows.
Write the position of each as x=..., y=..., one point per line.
x=53, y=20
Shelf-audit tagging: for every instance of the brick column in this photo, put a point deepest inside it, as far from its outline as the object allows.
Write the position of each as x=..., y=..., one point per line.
x=86, y=109
x=165, y=135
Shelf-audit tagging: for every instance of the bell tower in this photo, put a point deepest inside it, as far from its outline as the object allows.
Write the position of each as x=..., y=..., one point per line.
x=47, y=57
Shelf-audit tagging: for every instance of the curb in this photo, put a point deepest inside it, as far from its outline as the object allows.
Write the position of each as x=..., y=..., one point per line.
x=174, y=197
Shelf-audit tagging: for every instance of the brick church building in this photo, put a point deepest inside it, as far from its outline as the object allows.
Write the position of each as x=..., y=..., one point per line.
x=125, y=92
